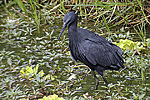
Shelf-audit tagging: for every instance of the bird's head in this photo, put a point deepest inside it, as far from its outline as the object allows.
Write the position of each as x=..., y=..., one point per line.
x=69, y=18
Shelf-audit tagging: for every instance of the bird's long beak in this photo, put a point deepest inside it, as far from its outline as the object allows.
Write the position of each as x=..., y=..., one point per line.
x=64, y=27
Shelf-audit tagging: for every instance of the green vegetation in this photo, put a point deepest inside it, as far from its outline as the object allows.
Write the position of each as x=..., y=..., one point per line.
x=52, y=97
x=129, y=45
x=35, y=65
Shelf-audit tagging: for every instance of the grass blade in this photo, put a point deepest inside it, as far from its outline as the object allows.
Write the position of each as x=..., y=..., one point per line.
x=21, y=5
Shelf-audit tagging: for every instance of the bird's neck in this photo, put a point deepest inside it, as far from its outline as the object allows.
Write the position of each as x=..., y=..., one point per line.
x=72, y=27
x=73, y=34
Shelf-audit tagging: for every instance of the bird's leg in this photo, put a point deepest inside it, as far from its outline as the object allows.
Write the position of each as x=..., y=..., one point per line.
x=97, y=81
x=102, y=74
x=104, y=80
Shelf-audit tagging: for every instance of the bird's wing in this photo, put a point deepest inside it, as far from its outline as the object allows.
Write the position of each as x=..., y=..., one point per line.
x=98, y=52
x=118, y=51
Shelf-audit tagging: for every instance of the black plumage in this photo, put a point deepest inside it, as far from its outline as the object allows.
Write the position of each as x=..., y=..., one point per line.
x=91, y=49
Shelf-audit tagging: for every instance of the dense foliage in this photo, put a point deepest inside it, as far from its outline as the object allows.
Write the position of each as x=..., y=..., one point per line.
x=34, y=64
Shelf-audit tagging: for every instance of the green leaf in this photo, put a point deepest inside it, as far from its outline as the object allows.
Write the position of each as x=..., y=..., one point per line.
x=35, y=70
x=9, y=61
x=141, y=96
x=41, y=73
x=29, y=70
x=47, y=77
x=73, y=76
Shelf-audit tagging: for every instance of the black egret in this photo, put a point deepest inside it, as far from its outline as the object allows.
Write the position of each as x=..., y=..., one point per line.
x=91, y=49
